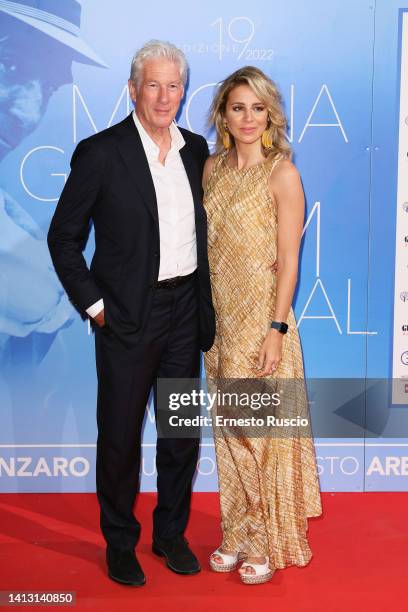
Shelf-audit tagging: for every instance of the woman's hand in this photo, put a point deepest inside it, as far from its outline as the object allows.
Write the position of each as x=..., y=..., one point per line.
x=270, y=354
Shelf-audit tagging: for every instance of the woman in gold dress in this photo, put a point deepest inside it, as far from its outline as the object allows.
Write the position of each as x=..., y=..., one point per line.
x=255, y=207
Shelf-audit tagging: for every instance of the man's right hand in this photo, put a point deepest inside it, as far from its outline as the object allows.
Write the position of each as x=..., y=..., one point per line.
x=100, y=318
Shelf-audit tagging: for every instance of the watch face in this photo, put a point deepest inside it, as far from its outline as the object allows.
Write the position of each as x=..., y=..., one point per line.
x=280, y=326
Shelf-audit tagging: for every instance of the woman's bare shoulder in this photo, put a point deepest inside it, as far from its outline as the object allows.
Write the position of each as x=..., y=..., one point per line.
x=208, y=167
x=210, y=161
x=284, y=176
x=285, y=170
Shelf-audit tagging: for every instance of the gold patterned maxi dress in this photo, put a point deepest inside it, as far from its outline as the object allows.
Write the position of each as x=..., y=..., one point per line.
x=268, y=484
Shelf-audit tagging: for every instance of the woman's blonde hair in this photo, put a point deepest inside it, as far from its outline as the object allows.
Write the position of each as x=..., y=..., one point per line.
x=267, y=92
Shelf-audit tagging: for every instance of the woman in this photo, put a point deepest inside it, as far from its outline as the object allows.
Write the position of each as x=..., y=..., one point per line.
x=255, y=207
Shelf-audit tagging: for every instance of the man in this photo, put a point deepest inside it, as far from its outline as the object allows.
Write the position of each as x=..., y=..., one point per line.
x=148, y=291
x=32, y=32
x=39, y=41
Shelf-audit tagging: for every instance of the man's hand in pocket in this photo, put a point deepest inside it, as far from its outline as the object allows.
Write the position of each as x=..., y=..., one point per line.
x=100, y=318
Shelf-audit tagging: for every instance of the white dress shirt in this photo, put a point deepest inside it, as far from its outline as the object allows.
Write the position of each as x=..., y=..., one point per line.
x=178, y=249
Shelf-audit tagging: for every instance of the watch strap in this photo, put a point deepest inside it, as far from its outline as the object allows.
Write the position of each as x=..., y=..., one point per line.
x=280, y=326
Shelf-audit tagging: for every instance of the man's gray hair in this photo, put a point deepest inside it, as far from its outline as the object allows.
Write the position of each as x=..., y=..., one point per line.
x=158, y=49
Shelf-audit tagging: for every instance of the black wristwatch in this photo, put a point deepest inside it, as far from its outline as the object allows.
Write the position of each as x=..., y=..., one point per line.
x=280, y=326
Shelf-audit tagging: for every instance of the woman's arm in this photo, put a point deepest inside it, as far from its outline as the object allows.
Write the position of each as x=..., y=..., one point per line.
x=286, y=189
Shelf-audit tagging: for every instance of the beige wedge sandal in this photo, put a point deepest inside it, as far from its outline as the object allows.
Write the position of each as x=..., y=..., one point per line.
x=263, y=573
x=229, y=562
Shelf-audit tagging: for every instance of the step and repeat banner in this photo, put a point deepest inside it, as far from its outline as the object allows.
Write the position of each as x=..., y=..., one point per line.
x=342, y=69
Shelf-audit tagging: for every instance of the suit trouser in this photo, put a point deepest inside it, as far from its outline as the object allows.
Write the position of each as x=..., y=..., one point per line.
x=169, y=348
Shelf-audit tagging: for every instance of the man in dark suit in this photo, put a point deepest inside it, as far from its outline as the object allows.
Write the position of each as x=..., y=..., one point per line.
x=148, y=293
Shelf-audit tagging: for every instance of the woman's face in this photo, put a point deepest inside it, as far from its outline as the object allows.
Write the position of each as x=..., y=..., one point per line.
x=246, y=116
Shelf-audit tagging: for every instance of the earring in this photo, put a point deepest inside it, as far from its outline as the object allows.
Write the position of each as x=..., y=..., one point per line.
x=267, y=139
x=226, y=141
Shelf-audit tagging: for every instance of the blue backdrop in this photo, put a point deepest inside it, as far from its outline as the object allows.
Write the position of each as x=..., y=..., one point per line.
x=337, y=65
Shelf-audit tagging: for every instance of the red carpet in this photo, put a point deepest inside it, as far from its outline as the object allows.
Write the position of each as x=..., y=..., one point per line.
x=52, y=542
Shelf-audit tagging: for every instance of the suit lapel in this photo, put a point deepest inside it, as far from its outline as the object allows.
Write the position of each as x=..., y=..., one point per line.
x=192, y=174
x=132, y=152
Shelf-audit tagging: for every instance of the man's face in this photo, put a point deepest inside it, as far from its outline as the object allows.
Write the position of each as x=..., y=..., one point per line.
x=158, y=94
x=31, y=69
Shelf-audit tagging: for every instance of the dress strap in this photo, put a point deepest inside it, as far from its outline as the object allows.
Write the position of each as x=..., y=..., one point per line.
x=274, y=162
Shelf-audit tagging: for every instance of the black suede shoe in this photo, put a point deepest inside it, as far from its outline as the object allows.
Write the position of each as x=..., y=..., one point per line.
x=124, y=567
x=179, y=557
